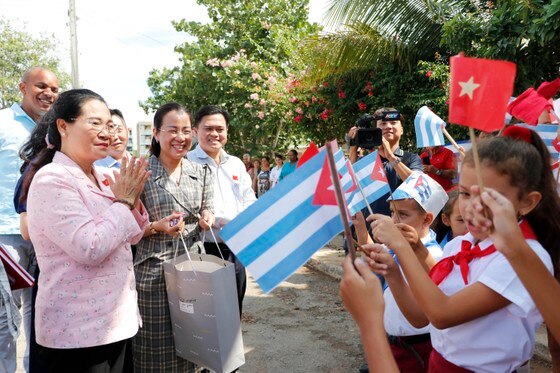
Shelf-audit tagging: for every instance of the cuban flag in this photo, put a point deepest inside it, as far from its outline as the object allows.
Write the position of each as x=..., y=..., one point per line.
x=373, y=187
x=428, y=127
x=280, y=231
x=548, y=133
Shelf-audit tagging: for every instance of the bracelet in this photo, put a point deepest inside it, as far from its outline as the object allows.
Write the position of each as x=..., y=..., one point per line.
x=439, y=172
x=124, y=202
x=395, y=162
x=152, y=229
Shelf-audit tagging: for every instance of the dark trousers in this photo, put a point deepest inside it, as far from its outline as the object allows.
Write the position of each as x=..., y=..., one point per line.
x=99, y=359
x=412, y=354
x=240, y=275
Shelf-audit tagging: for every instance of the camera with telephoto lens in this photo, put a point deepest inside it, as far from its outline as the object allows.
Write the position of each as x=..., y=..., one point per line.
x=368, y=136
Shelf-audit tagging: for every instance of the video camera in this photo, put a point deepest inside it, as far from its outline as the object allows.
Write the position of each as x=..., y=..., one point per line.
x=368, y=136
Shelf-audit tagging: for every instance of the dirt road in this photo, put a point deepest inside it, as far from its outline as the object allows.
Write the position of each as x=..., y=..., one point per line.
x=300, y=327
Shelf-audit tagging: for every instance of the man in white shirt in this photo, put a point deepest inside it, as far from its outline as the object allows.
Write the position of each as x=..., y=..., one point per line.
x=39, y=87
x=233, y=190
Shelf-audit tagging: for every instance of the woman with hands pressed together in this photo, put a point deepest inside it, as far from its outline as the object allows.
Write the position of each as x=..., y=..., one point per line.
x=482, y=317
x=179, y=199
x=82, y=224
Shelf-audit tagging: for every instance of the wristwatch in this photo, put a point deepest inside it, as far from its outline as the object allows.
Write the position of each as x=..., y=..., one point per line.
x=395, y=162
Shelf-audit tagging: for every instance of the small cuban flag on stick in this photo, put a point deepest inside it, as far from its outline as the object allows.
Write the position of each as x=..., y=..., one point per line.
x=370, y=188
x=428, y=128
x=280, y=231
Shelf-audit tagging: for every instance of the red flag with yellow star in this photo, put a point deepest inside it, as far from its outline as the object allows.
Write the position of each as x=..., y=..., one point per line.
x=480, y=91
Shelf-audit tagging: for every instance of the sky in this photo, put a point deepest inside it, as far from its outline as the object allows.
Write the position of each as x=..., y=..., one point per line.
x=119, y=41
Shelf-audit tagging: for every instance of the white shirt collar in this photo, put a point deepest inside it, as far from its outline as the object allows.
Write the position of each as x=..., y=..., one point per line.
x=201, y=154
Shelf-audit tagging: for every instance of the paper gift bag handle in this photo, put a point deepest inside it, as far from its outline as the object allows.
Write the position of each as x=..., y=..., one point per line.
x=187, y=251
x=215, y=241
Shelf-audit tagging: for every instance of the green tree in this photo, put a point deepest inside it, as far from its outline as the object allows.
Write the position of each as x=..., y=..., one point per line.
x=328, y=109
x=20, y=51
x=376, y=32
x=524, y=32
x=241, y=60
x=397, y=42
x=373, y=33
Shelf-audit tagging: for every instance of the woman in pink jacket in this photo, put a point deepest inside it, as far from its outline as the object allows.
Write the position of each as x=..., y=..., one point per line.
x=82, y=224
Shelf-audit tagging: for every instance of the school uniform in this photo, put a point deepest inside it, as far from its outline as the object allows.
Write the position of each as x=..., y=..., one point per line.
x=502, y=340
x=411, y=346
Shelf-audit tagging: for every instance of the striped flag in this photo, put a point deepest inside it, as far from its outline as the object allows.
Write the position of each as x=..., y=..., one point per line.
x=280, y=231
x=548, y=133
x=373, y=189
x=428, y=128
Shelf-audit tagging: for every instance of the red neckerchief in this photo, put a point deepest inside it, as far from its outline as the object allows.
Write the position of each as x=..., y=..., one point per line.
x=443, y=268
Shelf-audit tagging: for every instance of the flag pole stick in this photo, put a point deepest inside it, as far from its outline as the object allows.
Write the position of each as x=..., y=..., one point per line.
x=476, y=159
x=451, y=140
x=341, y=202
x=502, y=130
x=361, y=190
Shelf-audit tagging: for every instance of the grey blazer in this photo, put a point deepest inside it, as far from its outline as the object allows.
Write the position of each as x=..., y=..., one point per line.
x=162, y=196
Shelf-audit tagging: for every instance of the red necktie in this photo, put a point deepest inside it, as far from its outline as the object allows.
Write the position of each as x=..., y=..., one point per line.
x=443, y=268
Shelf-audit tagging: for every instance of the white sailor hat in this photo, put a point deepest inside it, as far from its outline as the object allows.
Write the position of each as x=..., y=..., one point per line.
x=424, y=190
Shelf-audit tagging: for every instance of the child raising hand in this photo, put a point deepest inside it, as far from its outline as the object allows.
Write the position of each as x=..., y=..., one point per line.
x=483, y=319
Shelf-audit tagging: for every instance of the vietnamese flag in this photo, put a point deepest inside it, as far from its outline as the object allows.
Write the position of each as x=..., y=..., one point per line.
x=309, y=153
x=529, y=106
x=549, y=89
x=479, y=92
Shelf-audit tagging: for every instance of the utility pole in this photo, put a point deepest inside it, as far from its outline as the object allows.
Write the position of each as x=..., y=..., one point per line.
x=74, y=44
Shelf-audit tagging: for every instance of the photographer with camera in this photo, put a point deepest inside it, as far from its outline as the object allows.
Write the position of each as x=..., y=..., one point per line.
x=383, y=130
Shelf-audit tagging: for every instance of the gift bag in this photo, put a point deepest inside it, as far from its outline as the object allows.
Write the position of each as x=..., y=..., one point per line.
x=204, y=311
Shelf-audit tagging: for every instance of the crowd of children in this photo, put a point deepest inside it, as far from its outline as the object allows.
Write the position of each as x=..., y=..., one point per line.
x=482, y=301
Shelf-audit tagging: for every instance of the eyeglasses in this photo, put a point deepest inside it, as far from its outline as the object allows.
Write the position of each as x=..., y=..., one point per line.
x=173, y=132
x=120, y=128
x=98, y=126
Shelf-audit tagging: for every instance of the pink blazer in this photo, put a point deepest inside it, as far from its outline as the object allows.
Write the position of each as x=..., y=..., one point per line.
x=87, y=292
